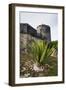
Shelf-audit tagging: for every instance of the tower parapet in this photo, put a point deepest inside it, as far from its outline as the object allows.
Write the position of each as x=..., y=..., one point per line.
x=44, y=31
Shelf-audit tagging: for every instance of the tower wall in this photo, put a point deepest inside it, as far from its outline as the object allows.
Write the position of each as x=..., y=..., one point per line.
x=44, y=31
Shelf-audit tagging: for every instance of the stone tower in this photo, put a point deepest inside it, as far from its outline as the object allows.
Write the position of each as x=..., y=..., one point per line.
x=44, y=31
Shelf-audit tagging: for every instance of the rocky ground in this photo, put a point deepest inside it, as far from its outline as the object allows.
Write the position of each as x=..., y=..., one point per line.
x=29, y=68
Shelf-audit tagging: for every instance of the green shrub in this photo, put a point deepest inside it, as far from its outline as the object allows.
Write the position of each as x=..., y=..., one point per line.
x=41, y=51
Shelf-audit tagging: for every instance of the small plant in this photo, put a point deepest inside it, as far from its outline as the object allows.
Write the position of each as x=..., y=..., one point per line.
x=41, y=51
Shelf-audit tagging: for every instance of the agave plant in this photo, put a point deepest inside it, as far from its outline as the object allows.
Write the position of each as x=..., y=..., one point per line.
x=41, y=51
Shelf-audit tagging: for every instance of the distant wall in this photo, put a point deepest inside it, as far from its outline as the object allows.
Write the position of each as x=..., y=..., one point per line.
x=42, y=32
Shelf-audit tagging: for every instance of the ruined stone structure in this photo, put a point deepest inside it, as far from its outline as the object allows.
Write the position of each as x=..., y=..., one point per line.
x=28, y=33
x=44, y=31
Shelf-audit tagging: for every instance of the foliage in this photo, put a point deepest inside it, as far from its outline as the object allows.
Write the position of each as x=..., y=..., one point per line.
x=41, y=51
x=54, y=44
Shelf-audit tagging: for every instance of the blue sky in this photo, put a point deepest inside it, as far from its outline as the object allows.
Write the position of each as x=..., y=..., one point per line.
x=35, y=19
